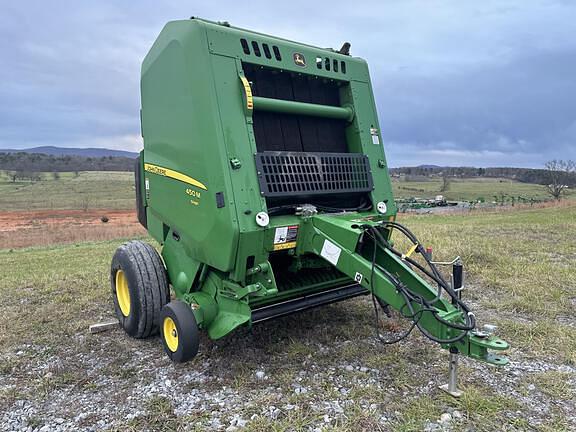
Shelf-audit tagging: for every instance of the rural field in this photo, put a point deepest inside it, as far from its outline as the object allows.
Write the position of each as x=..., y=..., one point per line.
x=321, y=370
x=67, y=209
x=86, y=190
x=470, y=189
x=115, y=190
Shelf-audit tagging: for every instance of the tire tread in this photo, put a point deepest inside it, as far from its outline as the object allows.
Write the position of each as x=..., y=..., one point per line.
x=152, y=284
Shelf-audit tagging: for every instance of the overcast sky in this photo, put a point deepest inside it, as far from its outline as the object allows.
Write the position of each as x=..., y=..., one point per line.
x=482, y=83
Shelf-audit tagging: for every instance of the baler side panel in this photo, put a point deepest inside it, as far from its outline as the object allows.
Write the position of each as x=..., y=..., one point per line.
x=180, y=120
x=140, y=190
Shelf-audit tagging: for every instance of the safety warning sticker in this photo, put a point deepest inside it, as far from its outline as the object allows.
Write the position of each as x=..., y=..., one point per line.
x=285, y=237
x=330, y=252
x=375, y=137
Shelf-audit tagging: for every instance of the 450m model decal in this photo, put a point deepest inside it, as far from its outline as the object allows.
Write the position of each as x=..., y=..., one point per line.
x=167, y=172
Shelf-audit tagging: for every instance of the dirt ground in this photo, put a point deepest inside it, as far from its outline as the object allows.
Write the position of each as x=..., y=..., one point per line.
x=48, y=227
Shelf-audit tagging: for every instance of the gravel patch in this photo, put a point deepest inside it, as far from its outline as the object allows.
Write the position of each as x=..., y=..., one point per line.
x=110, y=382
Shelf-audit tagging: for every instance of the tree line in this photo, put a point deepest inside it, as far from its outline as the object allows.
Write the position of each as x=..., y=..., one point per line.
x=26, y=166
x=546, y=176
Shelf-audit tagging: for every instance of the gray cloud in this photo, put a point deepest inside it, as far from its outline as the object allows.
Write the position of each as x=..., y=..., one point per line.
x=524, y=111
x=476, y=83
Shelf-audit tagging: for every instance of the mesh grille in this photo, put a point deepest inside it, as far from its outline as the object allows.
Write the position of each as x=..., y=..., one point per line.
x=295, y=173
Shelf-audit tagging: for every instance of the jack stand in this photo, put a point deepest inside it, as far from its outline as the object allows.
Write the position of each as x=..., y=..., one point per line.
x=452, y=387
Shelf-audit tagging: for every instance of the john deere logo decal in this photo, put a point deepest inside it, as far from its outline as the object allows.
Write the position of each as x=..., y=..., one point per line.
x=299, y=59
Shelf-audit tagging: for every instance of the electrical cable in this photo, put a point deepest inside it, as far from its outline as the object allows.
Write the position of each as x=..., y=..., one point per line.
x=411, y=297
x=436, y=276
x=376, y=315
x=470, y=320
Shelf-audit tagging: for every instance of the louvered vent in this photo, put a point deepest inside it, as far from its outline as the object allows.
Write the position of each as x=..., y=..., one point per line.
x=296, y=173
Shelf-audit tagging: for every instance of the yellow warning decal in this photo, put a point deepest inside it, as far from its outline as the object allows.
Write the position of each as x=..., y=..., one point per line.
x=167, y=172
x=282, y=246
x=411, y=250
x=285, y=237
x=248, y=92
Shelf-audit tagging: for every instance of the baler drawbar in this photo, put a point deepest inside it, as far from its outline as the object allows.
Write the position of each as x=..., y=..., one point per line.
x=263, y=178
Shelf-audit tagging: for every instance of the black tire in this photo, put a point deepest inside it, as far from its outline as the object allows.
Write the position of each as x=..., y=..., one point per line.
x=178, y=319
x=138, y=265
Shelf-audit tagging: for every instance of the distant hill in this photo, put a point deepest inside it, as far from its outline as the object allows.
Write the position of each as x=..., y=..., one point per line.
x=428, y=166
x=71, y=151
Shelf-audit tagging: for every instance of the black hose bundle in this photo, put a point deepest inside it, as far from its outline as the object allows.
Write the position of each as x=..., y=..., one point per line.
x=411, y=298
x=364, y=205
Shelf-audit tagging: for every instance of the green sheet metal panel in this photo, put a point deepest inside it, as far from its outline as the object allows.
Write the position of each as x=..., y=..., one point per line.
x=183, y=133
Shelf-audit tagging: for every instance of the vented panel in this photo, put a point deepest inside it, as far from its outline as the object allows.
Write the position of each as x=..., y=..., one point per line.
x=298, y=173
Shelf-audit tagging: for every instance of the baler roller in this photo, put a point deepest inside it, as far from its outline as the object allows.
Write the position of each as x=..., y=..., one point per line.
x=307, y=301
x=303, y=108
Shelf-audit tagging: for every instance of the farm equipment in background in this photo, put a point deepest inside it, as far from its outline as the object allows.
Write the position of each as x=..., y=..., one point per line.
x=264, y=179
x=440, y=201
x=405, y=205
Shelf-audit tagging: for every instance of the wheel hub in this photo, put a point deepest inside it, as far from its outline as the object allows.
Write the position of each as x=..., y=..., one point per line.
x=170, y=333
x=122, y=293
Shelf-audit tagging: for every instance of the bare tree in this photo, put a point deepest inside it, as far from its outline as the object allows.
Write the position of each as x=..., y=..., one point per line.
x=35, y=176
x=559, y=172
x=445, y=183
x=26, y=175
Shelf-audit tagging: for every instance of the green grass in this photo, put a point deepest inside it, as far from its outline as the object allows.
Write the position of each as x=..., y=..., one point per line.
x=469, y=189
x=69, y=282
x=555, y=384
x=520, y=275
x=88, y=190
x=519, y=264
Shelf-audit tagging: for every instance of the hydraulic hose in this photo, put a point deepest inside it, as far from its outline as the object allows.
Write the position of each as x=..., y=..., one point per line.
x=410, y=297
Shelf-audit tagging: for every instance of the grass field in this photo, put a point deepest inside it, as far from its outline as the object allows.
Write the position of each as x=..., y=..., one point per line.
x=323, y=369
x=115, y=190
x=469, y=189
x=88, y=190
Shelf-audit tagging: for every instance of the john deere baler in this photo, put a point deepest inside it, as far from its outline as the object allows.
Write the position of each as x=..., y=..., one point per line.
x=264, y=179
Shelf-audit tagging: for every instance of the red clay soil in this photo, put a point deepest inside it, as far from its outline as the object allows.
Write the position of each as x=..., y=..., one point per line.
x=46, y=227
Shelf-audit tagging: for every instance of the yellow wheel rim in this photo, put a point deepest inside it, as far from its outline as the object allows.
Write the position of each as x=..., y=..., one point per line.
x=122, y=293
x=170, y=334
